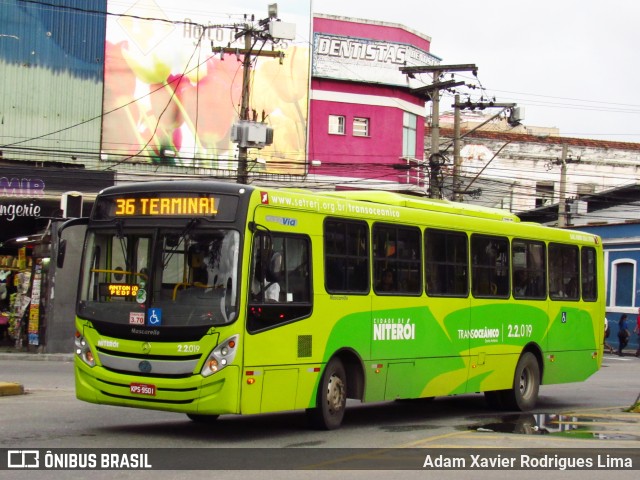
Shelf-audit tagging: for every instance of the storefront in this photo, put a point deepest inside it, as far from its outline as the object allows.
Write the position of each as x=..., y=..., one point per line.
x=24, y=282
x=32, y=202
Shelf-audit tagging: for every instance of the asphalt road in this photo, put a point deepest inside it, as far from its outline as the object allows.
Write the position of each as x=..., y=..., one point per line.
x=588, y=415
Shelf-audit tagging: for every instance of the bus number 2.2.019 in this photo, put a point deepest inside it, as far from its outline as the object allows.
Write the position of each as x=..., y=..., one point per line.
x=188, y=348
x=521, y=330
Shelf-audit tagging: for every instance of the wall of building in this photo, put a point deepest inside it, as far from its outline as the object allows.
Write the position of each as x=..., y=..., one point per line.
x=30, y=196
x=622, y=258
x=352, y=156
x=356, y=73
x=170, y=103
x=51, y=66
x=511, y=166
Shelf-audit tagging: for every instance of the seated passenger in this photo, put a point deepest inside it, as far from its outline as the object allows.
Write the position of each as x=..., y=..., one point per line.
x=270, y=286
x=386, y=282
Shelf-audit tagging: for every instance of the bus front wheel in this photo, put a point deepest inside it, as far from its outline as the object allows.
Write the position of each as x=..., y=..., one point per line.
x=526, y=383
x=331, y=400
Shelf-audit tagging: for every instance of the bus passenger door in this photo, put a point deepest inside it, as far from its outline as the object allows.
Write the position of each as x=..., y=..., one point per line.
x=418, y=335
x=279, y=300
x=445, y=363
x=493, y=356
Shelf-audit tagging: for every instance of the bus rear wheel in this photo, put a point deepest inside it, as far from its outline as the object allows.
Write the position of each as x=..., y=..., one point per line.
x=526, y=384
x=331, y=400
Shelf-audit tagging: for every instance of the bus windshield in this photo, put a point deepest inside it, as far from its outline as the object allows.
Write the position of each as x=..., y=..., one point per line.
x=158, y=277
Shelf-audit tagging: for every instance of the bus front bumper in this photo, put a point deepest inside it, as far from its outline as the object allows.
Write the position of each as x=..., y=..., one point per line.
x=217, y=394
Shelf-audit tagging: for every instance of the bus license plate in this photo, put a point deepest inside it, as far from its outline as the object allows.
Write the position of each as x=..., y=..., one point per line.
x=143, y=389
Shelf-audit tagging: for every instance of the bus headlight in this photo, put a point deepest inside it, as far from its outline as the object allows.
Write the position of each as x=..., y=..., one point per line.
x=83, y=350
x=221, y=356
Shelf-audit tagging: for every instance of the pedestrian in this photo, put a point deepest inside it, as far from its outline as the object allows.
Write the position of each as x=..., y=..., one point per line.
x=623, y=333
x=607, y=331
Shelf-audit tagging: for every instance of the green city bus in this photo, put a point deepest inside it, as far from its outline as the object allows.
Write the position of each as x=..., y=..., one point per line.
x=213, y=298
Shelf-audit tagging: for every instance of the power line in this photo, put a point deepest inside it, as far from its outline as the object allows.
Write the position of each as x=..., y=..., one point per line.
x=277, y=163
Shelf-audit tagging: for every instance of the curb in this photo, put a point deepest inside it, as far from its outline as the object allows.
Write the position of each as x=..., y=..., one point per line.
x=7, y=389
x=56, y=357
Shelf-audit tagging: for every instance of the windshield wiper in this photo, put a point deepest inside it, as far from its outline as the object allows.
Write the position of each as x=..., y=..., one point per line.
x=121, y=237
x=190, y=226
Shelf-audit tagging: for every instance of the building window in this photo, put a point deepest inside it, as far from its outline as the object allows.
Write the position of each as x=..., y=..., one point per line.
x=409, y=135
x=585, y=189
x=544, y=194
x=623, y=281
x=360, y=127
x=336, y=124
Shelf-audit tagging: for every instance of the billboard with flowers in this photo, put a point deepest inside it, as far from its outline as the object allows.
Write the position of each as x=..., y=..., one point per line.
x=170, y=100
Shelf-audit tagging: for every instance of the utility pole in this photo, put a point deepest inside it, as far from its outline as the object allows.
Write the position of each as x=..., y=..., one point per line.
x=562, y=203
x=433, y=93
x=457, y=193
x=434, y=157
x=245, y=114
x=563, y=161
x=248, y=128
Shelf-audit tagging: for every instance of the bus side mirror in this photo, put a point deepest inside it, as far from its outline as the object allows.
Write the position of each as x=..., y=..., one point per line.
x=62, y=250
x=62, y=243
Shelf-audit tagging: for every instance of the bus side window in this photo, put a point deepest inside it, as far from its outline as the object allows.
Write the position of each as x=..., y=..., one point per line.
x=564, y=272
x=589, y=273
x=397, y=265
x=280, y=281
x=529, y=269
x=298, y=280
x=266, y=270
x=490, y=260
x=346, y=256
x=446, y=263
x=273, y=277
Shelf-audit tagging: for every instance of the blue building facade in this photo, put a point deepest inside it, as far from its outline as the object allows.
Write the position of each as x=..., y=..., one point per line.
x=621, y=257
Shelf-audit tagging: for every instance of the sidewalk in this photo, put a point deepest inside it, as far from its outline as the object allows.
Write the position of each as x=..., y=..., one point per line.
x=55, y=357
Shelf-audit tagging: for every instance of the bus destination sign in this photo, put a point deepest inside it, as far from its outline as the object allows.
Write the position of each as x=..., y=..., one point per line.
x=153, y=205
x=166, y=206
x=118, y=290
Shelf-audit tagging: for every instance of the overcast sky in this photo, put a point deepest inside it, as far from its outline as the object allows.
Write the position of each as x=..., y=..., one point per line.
x=573, y=64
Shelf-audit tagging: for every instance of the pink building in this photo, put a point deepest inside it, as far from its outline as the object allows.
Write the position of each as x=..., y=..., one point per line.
x=364, y=118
